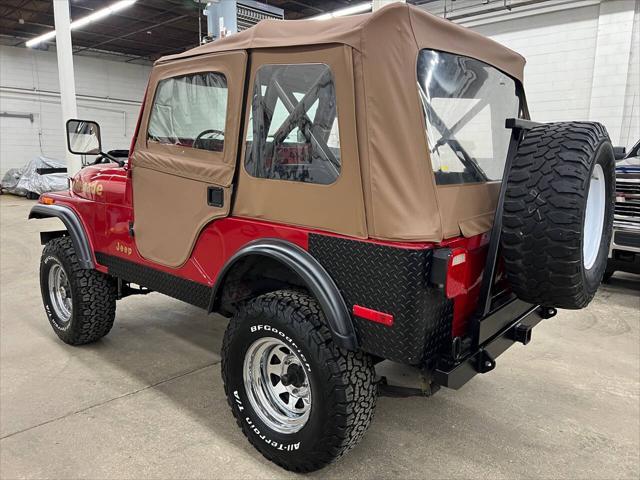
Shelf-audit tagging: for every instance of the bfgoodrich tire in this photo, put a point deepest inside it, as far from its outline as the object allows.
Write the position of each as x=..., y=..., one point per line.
x=80, y=304
x=299, y=399
x=558, y=214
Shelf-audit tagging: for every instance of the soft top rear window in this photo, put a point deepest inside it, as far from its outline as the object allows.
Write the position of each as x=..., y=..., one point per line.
x=465, y=104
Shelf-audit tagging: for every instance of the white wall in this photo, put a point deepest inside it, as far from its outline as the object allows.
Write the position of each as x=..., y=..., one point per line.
x=560, y=50
x=109, y=92
x=583, y=58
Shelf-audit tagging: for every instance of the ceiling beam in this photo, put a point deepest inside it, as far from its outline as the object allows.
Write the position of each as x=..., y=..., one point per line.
x=174, y=23
x=156, y=8
x=82, y=41
x=160, y=54
x=14, y=8
x=305, y=5
x=120, y=32
x=124, y=37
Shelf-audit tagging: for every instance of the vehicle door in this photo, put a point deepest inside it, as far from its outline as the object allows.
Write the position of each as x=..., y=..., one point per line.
x=184, y=157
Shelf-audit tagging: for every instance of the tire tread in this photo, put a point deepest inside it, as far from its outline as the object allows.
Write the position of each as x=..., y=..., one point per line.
x=543, y=213
x=349, y=376
x=94, y=313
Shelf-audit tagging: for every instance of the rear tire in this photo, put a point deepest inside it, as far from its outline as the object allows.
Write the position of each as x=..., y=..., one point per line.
x=337, y=384
x=80, y=303
x=558, y=214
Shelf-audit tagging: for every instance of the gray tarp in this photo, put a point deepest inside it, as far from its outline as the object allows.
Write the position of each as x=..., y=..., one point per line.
x=21, y=181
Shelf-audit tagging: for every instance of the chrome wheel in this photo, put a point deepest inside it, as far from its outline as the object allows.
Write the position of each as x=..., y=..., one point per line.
x=60, y=293
x=277, y=385
x=594, y=217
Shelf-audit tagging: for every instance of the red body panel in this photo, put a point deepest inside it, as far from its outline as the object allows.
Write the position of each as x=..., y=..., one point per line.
x=101, y=195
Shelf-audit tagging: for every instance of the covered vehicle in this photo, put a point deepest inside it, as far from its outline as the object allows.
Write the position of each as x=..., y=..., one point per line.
x=38, y=176
x=348, y=191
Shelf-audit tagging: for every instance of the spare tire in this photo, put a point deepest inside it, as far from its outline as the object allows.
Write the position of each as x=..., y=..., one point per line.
x=558, y=214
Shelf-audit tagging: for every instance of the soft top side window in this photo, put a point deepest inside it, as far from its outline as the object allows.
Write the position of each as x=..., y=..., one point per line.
x=466, y=103
x=190, y=111
x=293, y=128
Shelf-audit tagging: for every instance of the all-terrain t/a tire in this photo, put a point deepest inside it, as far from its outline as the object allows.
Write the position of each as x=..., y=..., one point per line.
x=80, y=303
x=300, y=400
x=558, y=214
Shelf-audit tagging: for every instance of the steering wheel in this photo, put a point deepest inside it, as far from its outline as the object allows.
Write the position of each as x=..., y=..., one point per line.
x=206, y=132
x=100, y=159
x=107, y=158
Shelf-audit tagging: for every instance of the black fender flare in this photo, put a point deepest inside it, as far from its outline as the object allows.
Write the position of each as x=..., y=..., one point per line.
x=74, y=228
x=318, y=281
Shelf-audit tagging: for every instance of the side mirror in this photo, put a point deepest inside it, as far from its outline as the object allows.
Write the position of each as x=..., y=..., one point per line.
x=619, y=152
x=83, y=137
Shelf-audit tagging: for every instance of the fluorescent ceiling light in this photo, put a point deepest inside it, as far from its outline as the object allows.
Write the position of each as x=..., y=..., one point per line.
x=84, y=21
x=360, y=8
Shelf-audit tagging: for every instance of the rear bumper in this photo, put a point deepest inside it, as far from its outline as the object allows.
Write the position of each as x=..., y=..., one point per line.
x=498, y=331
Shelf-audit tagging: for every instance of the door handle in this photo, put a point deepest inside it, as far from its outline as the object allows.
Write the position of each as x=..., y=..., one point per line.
x=215, y=197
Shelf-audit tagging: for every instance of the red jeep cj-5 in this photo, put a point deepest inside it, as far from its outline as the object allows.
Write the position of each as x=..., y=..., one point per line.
x=362, y=189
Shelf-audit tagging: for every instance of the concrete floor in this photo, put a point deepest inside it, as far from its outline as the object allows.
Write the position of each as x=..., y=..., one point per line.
x=147, y=401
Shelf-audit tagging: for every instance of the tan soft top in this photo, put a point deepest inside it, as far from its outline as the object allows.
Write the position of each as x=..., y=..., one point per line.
x=395, y=179
x=430, y=31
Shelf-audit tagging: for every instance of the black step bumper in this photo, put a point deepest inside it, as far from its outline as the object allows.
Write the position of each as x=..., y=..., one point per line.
x=509, y=324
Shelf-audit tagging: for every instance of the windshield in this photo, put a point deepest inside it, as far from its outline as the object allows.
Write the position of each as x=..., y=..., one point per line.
x=466, y=103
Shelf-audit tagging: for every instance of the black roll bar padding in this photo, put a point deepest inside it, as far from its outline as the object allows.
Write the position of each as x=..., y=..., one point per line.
x=311, y=272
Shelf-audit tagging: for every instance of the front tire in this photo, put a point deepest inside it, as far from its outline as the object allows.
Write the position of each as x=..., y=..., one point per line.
x=80, y=303
x=299, y=399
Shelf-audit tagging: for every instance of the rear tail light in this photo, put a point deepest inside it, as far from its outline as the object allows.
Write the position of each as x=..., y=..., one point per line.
x=457, y=273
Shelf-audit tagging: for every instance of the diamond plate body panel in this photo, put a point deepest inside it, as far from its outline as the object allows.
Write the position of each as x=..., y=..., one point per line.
x=391, y=280
x=188, y=291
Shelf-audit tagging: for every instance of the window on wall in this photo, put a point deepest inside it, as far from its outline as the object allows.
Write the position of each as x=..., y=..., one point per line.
x=190, y=111
x=293, y=126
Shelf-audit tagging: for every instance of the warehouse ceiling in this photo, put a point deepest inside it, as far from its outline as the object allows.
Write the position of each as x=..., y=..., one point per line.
x=149, y=29
x=140, y=33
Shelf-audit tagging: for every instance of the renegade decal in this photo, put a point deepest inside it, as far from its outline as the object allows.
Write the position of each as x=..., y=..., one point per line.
x=93, y=188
